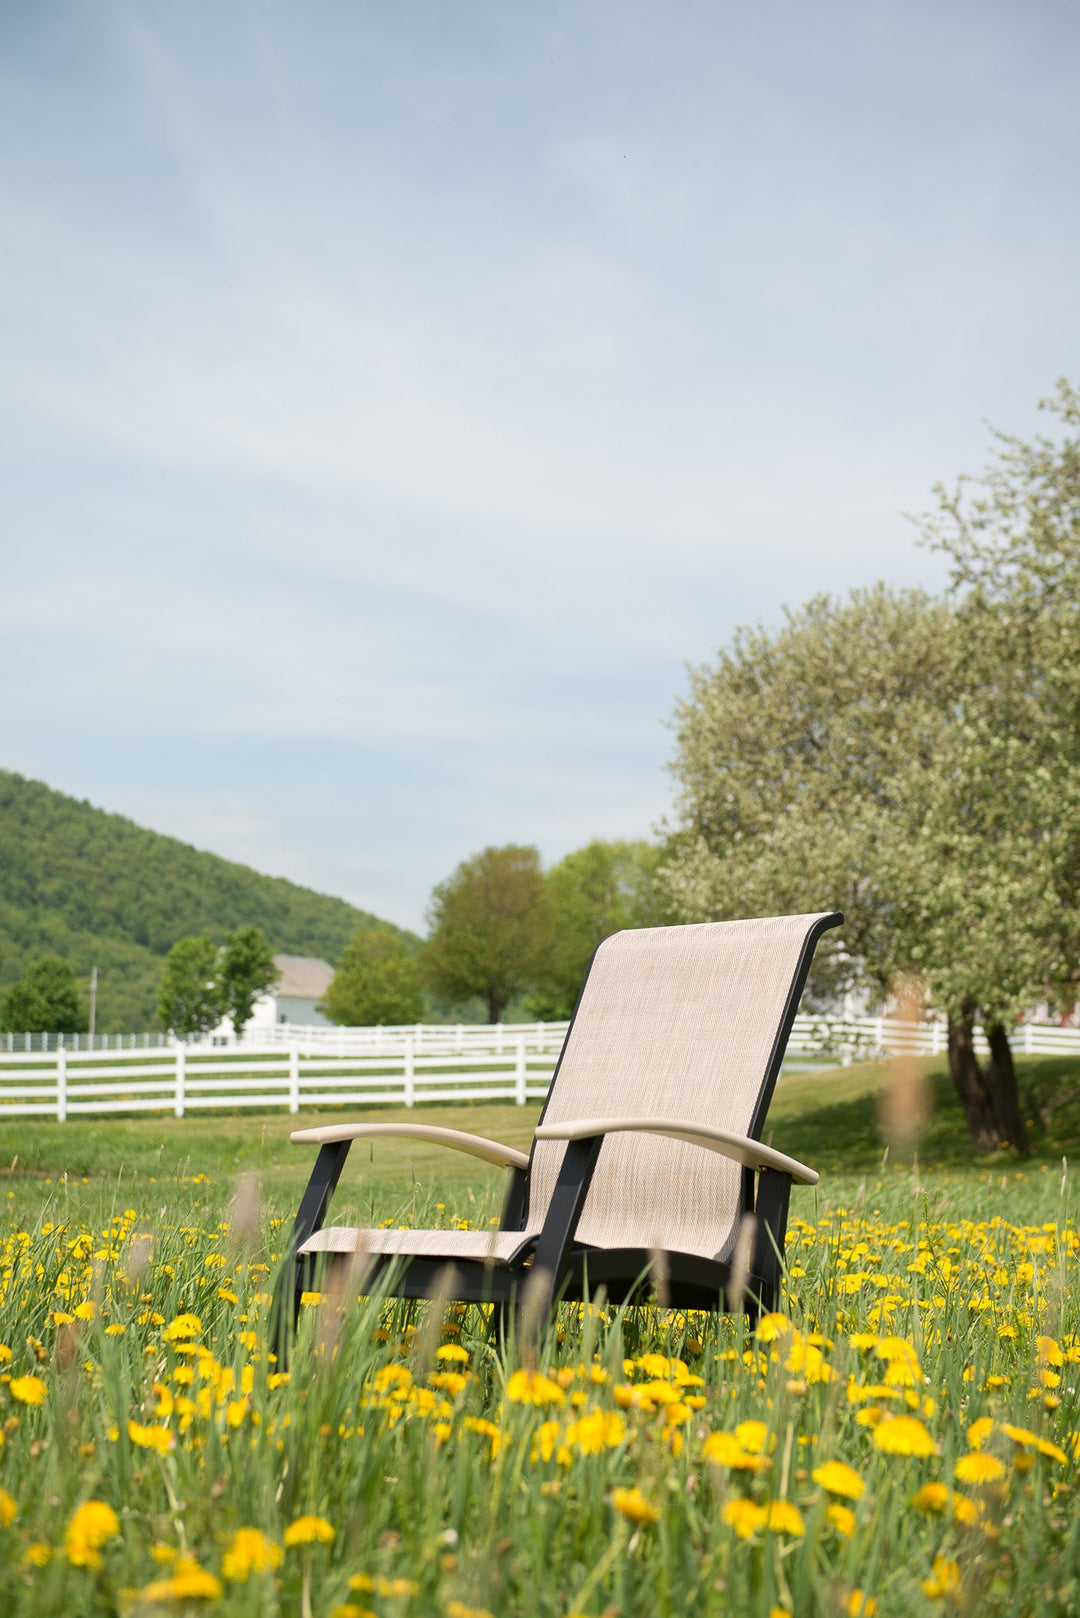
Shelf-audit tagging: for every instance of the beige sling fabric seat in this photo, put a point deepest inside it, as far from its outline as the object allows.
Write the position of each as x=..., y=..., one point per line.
x=648, y=1144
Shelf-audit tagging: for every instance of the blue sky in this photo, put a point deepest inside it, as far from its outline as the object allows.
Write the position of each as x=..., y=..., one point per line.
x=395, y=399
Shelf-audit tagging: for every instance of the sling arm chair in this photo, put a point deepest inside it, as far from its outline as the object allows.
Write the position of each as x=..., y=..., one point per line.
x=643, y=1163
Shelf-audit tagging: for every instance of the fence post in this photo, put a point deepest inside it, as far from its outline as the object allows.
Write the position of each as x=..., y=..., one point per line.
x=181, y=1074
x=1029, y=1039
x=294, y=1078
x=519, y=1073
x=61, y=1084
x=459, y=1038
x=410, y=1073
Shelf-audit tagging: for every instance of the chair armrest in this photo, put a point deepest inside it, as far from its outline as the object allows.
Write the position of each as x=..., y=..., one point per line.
x=504, y=1157
x=752, y=1154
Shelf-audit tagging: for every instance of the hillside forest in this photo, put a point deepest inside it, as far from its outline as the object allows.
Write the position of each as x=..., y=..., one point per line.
x=95, y=889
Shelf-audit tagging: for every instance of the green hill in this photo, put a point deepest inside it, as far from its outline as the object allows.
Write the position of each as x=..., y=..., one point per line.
x=95, y=888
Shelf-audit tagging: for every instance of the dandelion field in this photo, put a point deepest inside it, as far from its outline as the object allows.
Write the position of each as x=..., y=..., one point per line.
x=902, y=1438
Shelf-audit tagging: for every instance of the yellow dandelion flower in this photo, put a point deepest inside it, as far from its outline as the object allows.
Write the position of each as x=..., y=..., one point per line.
x=978, y=1467
x=724, y=1449
x=903, y=1435
x=744, y=1516
x=159, y=1438
x=932, y=1497
x=1049, y=1351
x=236, y=1410
x=29, y=1390
x=979, y=1432
x=842, y=1519
x=8, y=1509
x=784, y=1518
x=451, y=1382
x=452, y=1351
x=37, y=1554
x=631, y=1503
x=944, y=1582
x=250, y=1551
x=182, y=1328
x=309, y=1531
x=836, y=1478
x=91, y=1527
x=533, y=1388
x=753, y=1436
x=599, y=1430
x=859, y=1605
x=458, y=1609
x=966, y=1512
x=859, y=1393
x=772, y=1326
x=904, y=1373
x=187, y=1582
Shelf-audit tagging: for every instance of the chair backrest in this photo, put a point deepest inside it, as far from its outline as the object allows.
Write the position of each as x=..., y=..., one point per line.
x=684, y=1023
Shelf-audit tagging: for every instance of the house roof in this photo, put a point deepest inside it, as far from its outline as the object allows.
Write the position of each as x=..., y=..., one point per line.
x=303, y=977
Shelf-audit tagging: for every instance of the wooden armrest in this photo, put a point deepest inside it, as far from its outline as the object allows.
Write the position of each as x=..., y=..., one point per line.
x=751, y=1153
x=505, y=1157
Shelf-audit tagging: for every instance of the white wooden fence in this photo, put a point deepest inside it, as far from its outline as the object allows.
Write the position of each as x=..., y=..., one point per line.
x=183, y=1078
x=435, y=1063
x=382, y=1039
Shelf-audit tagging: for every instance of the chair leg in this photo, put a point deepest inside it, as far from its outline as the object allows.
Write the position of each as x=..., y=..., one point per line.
x=771, y=1212
x=537, y=1297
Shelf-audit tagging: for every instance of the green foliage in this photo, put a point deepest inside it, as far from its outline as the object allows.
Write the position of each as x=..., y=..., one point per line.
x=591, y=893
x=45, y=1000
x=245, y=970
x=489, y=925
x=96, y=889
x=190, y=998
x=799, y=757
x=378, y=981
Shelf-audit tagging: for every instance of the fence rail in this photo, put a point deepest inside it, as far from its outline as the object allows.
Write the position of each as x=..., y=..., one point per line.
x=378, y=1040
x=448, y=1063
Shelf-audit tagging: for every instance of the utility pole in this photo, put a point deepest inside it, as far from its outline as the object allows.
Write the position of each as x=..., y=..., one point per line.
x=93, y=1000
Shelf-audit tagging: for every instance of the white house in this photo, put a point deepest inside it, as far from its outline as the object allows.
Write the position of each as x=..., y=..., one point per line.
x=302, y=982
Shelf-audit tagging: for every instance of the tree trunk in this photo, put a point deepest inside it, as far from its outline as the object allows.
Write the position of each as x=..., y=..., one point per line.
x=969, y=1080
x=495, y=1006
x=1001, y=1087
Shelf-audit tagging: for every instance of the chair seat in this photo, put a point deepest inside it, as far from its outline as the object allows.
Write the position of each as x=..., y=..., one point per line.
x=476, y=1246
